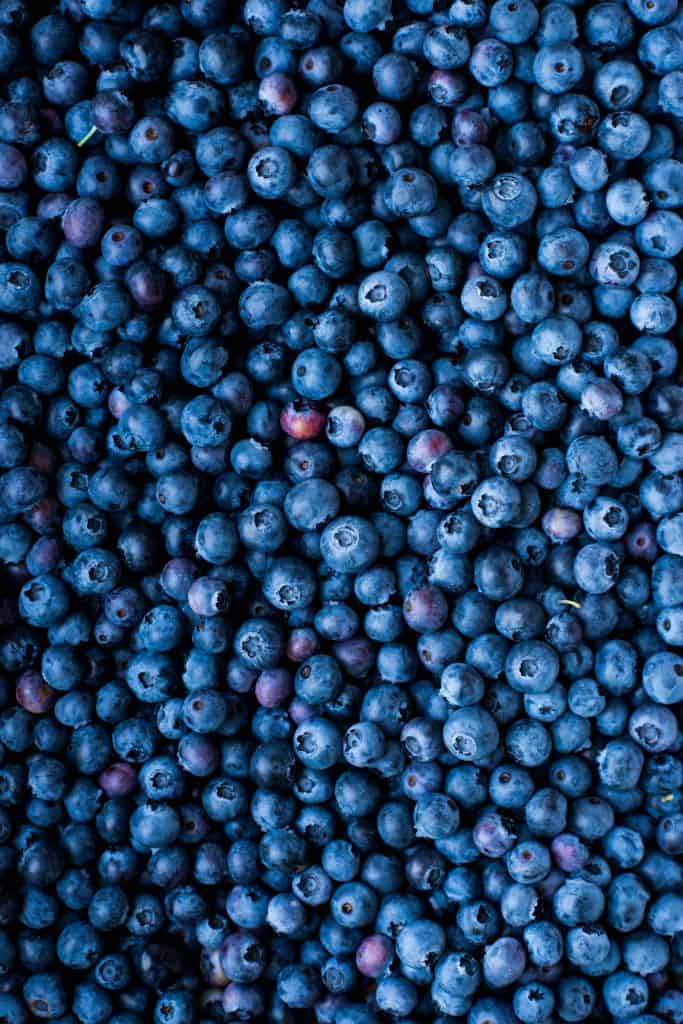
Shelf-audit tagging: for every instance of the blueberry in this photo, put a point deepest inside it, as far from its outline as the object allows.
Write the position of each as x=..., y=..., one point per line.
x=340, y=529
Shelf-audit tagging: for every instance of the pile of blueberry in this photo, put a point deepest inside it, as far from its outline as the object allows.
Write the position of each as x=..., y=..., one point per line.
x=341, y=511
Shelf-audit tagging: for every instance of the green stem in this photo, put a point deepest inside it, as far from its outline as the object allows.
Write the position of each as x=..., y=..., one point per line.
x=87, y=136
